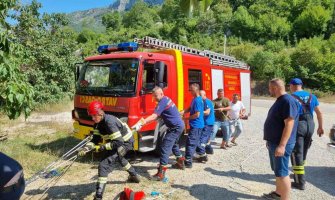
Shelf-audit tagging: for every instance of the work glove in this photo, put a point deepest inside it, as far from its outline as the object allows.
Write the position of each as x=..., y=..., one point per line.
x=100, y=148
x=87, y=148
x=138, y=125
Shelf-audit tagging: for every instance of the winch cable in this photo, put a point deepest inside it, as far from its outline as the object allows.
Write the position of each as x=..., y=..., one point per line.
x=64, y=159
x=55, y=179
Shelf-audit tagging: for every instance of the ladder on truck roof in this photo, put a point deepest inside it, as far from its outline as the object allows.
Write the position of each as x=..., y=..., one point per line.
x=215, y=58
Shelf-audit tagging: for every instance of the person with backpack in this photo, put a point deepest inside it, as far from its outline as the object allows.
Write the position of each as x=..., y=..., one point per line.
x=308, y=104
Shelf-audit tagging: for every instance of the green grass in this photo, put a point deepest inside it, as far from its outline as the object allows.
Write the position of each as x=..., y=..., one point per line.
x=35, y=153
x=64, y=105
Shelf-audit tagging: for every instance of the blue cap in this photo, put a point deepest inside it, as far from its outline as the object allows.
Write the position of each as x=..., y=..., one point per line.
x=296, y=81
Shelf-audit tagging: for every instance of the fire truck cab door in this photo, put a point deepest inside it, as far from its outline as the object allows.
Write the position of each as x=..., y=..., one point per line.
x=149, y=76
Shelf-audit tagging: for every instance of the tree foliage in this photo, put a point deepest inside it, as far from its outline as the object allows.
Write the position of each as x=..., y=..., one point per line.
x=15, y=92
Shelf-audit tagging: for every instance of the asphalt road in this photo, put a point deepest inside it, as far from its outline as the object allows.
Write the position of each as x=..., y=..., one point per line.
x=243, y=172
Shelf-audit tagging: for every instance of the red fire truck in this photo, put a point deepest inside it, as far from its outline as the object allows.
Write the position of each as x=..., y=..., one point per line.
x=122, y=78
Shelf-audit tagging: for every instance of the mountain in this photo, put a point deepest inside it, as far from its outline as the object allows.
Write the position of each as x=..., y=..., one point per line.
x=92, y=18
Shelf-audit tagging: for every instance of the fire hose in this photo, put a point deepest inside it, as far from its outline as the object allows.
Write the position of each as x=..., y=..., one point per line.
x=56, y=170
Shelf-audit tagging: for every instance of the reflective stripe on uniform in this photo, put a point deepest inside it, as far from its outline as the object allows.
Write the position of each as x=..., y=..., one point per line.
x=115, y=135
x=127, y=136
x=299, y=172
x=127, y=167
x=298, y=169
x=102, y=180
x=96, y=132
x=129, y=132
x=112, y=136
x=108, y=146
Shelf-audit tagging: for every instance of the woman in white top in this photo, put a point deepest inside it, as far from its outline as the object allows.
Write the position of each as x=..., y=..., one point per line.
x=235, y=114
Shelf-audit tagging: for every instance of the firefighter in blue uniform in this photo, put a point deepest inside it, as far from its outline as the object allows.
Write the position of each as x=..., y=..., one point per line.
x=119, y=140
x=209, y=118
x=197, y=124
x=12, y=182
x=169, y=113
x=308, y=104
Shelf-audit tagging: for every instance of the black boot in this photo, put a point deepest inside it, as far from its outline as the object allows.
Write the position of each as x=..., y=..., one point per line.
x=299, y=182
x=209, y=149
x=133, y=176
x=99, y=191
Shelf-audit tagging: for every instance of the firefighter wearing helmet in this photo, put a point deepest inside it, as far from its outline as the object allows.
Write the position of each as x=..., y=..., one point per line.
x=118, y=141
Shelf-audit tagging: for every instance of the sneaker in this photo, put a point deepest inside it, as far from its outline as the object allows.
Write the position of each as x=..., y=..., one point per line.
x=188, y=165
x=227, y=145
x=298, y=186
x=234, y=143
x=202, y=159
x=272, y=195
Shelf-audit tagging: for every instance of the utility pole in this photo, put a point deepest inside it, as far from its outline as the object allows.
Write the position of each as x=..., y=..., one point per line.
x=224, y=45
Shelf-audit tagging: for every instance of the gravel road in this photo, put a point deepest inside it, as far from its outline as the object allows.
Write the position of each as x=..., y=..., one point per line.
x=241, y=172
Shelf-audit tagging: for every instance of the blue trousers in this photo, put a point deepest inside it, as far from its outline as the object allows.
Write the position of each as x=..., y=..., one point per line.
x=192, y=143
x=224, y=125
x=204, y=138
x=170, y=144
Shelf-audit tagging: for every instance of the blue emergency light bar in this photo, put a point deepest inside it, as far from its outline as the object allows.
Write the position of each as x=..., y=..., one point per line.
x=124, y=46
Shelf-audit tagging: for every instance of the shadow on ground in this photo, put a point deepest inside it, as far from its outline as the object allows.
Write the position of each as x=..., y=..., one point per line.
x=208, y=192
x=322, y=178
x=261, y=178
x=79, y=191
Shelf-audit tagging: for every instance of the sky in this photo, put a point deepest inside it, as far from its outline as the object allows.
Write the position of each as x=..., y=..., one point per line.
x=67, y=6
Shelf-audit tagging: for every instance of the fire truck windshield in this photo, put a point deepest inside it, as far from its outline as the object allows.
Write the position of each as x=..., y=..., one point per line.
x=116, y=77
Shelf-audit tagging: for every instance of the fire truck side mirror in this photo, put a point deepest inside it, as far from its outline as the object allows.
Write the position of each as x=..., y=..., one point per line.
x=159, y=68
x=77, y=72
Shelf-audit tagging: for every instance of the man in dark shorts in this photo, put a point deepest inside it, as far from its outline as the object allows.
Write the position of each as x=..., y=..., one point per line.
x=169, y=113
x=308, y=103
x=280, y=134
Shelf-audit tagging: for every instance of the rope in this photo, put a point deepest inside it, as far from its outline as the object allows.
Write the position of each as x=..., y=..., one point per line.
x=60, y=161
x=59, y=177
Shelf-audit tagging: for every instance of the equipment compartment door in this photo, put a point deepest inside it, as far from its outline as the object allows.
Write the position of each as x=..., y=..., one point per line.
x=217, y=81
x=245, y=91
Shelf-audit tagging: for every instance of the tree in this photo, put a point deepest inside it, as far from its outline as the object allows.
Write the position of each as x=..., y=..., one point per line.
x=243, y=23
x=15, y=92
x=312, y=22
x=140, y=16
x=112, y=20
x=191, y=6
x=49, y=52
